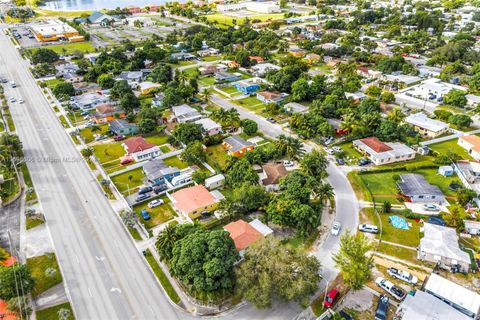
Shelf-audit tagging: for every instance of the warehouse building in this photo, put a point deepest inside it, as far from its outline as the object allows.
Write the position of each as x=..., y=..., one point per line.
x=55, y=30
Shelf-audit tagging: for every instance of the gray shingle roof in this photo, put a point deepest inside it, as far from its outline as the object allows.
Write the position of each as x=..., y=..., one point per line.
x=415, y=184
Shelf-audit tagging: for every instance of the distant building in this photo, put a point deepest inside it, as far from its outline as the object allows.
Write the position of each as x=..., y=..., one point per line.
x=260, y=6
x=54, y=30
x=383, y=153
x=259, y=70
x=471, y=144
x=102, y=19
x=246, y=87
x=418, y=190
x=226, y=77
x=236, y=146
x=181, y=56
x=427, y=127
x=185, y=113
x=90, y=100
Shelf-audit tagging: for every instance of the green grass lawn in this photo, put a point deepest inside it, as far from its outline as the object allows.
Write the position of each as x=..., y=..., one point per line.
x=52, y=312
x=68, y=48
x=75, y=117
x=231, y=90
x=165, y=149
x=251, y=103
x=191, y=72
x=53, y=82
x=159, y=215
x=132, y=178
x=228, y=20
x=43, y=280
x=450, y=145
x=31, y=223
x=350, y=151
x=88, y=133
x=212, y=58
x=410, y=237
x=217, y=154
x=206, y=81
x=158, y=139
x=175, y=162
x=401, y=253
x=64, y=121
x=162, y=278
x=108, y=152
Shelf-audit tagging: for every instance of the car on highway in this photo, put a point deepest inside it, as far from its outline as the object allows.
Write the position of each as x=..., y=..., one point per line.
x=388, y=286
x=155, y=203
x=402, y=275
x=145, y=190
x=332, y=295
x=21, y=101
x=430, y=207
x=13, y=84
x=145, y=214
x=336, y=227
x=382, y=308
x=368, y=228
x=12, y=99
x=142, y=197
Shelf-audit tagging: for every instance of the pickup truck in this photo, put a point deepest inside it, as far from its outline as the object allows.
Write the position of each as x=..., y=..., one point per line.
x=402, y=275
x=386, y=285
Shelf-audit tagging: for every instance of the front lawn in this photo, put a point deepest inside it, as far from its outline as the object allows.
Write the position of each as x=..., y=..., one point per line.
x=88, y=134
x=217, y=154
x=51, y=83
x=69, y=48
x=212, y=58
x=45, y=271
x=52, y=312
x=450, y=145
x=350, y=151
x=108, y=152
x=398, y=252
x=130, y=179
x=175, y=162
x=206, y=81
x=159, y=215
x=158, y=139
x=251, y=103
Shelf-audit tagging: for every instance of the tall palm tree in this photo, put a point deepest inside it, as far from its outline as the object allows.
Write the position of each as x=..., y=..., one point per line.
x=233, y=117
x=290, y=146
x=165, y=241
x=349, y=123
x=206, y=93
x=396, y=115
x=181, y=76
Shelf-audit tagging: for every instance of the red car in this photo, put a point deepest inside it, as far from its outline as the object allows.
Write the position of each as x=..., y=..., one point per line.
x=330, y=299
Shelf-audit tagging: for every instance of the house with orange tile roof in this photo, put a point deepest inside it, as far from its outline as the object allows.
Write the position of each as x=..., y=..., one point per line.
x=256, y=58
x=107, y=112
x=471, y=144
x=383, y=152
x=245, y=234
x=138, y=149
x=6, y=314
x=192, y=201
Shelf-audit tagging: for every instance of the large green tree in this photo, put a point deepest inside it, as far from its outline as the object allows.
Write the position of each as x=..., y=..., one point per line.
x=15, y=281
x=194, y=153
x=314, y=164
x=43, y=55
x=188, y=132
x=245, y=199
x=270, y=272
x=241, y=171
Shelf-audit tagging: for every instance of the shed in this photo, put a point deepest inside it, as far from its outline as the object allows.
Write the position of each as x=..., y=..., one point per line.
x=446, y=171
x=215, y=181
x=472, y=227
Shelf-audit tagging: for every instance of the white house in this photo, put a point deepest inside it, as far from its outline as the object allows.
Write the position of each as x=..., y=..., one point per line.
x=139, y=149
x=215, y=182
x=472, y=227
x=427, y=127
x=383, y=152
x=185, y=113
x=209, y=126
x=471, y=144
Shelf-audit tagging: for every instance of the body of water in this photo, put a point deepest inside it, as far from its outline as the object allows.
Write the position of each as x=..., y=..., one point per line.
x=77, y=5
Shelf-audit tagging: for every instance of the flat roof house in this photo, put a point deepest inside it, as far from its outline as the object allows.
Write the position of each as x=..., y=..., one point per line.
x=383, y=152
x=236, y=146
x=246, y=87
x=89, y=100
x=462, y=299
x=192, y=201
x=147, y=87
x=418, y=190
x=139, y=149
x=427, y=127
x=440, y=245
x=259, y=70
x=185, y=113
x=122, y=127
x=226, y=77
x=209, y=126
x=471, y=144
x=271, y=97
x=54, y=30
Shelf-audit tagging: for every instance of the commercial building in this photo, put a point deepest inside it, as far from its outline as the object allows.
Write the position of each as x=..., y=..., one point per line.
x=427, y=127
x=383, y=152
x=460, y=298
x=471, y=144
x=54, y=30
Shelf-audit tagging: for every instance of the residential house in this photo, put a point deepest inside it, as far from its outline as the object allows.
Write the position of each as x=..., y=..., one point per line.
x=457, y=296
x=221, y=77
x=185, y=113
x=122, y=127
x=446, y=171
x=106, y=113
x=102, y=19
x=132, y=77
x=472, y=100
x=245, y=234
x=295, y=107
x=134, y=9
x=440, y=245
x=68, y=71
x=72, y=78
x=313, y=58
x=215, y=181
x=418, y=190
x=192, y=201
x=209, y=126
x=271, y=97
x=246, y=87
x=85, y=87
x=402, y=78
x=469, y=174
x=383, y=152
x=427, y=127
x=297, y=52
x=88, y=101
x=157, y=100
x=257, y=59
x=233, y=65
x=369, y=73
x=147, y=87
x=356, y=96
x=261, y=69
x=182, y=56
x=208, y=52
x=471, y=144
x=472, y=227
x=271, y=175
x=209, y=69
x=425, y=306
x=236, y=146
x=158, y=173
x=140, y=150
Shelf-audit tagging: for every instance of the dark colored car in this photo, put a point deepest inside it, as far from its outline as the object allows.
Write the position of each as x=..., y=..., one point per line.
x=345, y=316
x=340, y=161
x=363, y=162
x=119, y=138
x=160, y=188
x=330, y=299
x=145, y=215
x=145, y=190
x=382, y=308
x=142, y=197
x=437, y=220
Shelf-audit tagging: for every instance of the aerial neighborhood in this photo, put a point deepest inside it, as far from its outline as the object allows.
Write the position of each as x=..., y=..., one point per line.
x=274, y=160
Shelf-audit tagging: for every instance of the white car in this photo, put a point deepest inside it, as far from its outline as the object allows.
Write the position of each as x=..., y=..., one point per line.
x=21, y=101
x=402, y=275
x=155, y=203
x=336, y=228
x=430, y=207
x=388, y=286
x=288, y=163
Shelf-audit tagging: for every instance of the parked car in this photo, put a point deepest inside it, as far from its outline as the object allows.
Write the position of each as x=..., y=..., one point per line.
x=402, y=275
x=100, y=137
x=336, y=228
x=388, y=286
x=84, y=113
x=160, y=188
x=330, y=298
x=340, y=162
x=142, y=197
x=288, y=163
x=21, y=101
x=337, y=149
x=363, y=162
x=271, y=120
x=345, y=316
x=119, y=138
x=382, y=308
x=155, y=203
x=430, y=207
x=145, y=215
x=368, y=228
x=12, y=99
x=437, y=220
x=145, y=190
x=329, y=151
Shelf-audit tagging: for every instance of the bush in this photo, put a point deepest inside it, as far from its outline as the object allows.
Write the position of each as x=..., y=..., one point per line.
x=250, y=127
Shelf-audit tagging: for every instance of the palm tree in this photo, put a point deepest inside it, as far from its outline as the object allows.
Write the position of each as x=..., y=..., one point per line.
x=233, y=117
x=326, y=193
x=349, y=123
x=181, y=76
x=206, y=93
x=165, y=241
x=289, y=146
x=396, y=115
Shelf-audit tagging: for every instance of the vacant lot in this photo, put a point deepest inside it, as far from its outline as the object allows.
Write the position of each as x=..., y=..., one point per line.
x=217, y=155
x=130, y=179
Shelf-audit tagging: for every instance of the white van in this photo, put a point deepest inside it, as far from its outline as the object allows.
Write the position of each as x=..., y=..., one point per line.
x=368, y=228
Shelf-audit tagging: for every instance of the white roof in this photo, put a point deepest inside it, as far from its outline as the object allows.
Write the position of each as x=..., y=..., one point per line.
x=424, y=306
x=453, y=292
x=217, y=195
x=443, y=242
x=260, y=227
x=421, y=120
x=147, y=85
x=473, y=98
x=51, y=27
x=397, y=150
x=208, y=124
x=403, y=78
x=215, y=178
